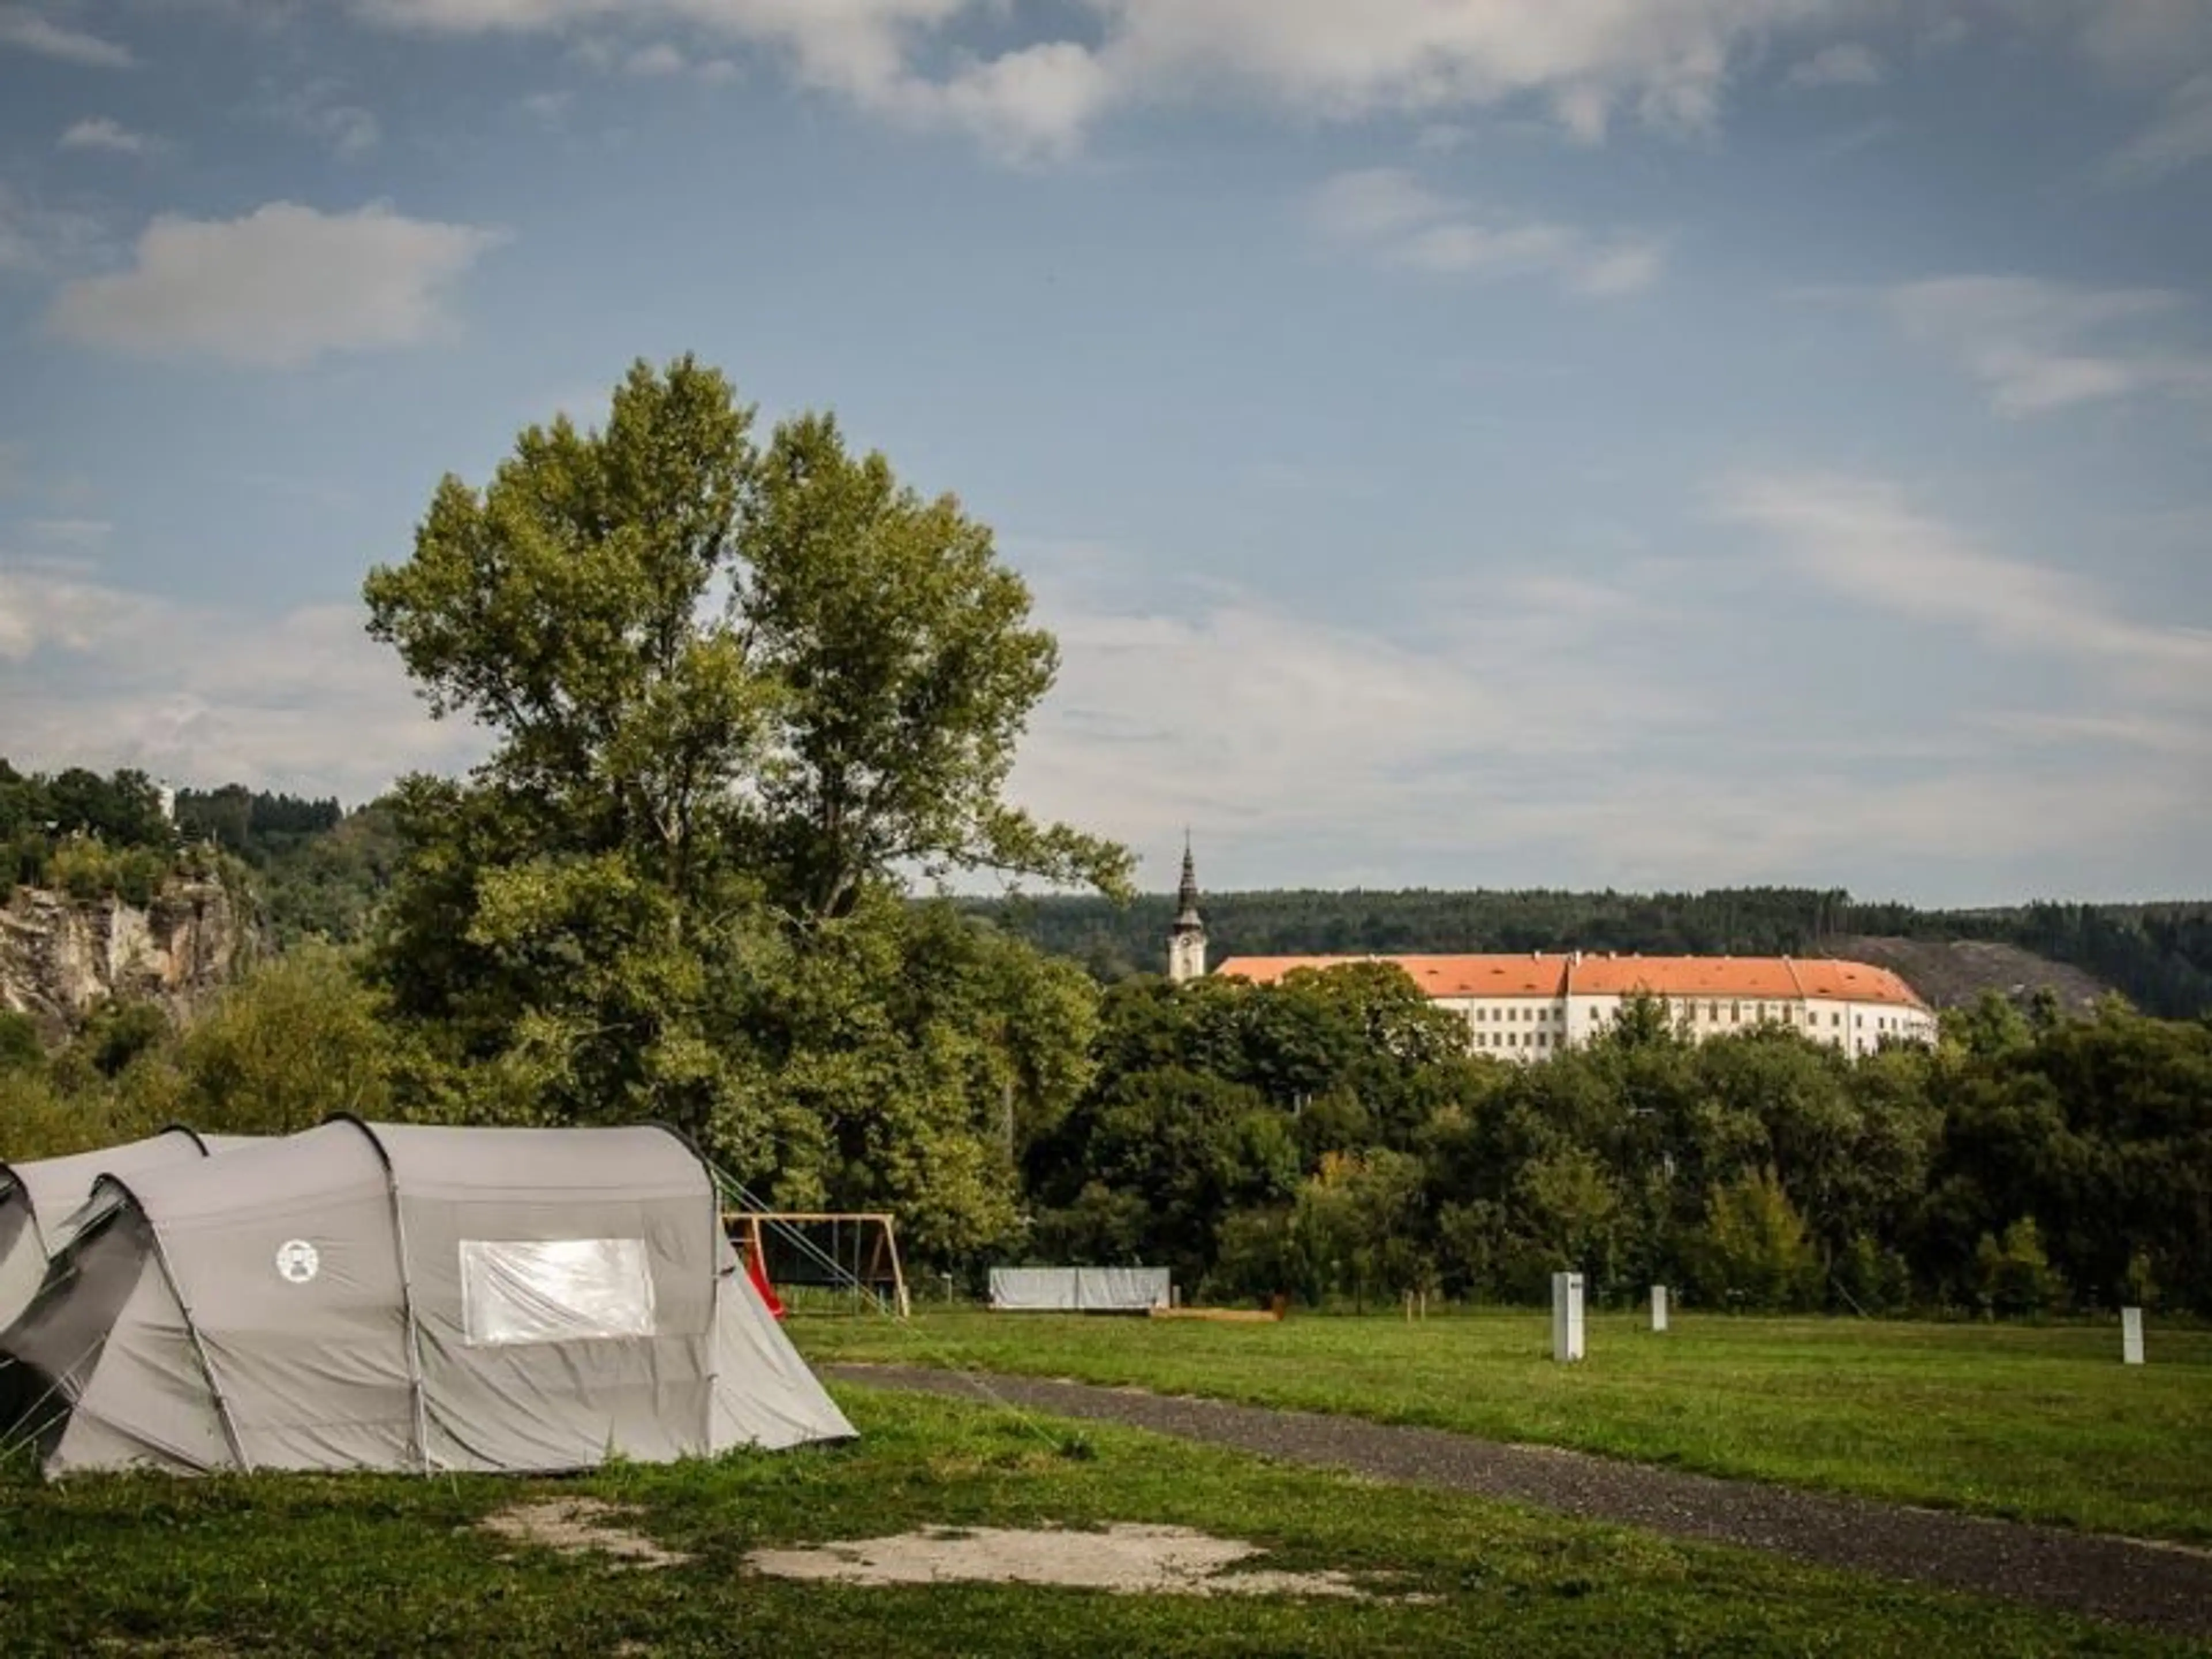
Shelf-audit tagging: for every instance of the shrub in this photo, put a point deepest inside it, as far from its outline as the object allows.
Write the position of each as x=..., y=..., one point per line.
x=39, y=1118
x=118, y=1033
x=2013, y=1275
x=296, y=1041
x=1872, y=1279
x=1258, y=1256
x=20, y=1047
x=1753, y=1251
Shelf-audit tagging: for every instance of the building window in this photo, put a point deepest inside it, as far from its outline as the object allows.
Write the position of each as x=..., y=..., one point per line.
x=1735, y=1012
x=1713, y=1012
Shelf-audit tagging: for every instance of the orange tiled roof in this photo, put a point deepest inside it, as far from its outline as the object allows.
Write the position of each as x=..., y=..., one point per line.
x=1528, y=975
x=1857, y=981
x=1774, y=978
x=1688, y=976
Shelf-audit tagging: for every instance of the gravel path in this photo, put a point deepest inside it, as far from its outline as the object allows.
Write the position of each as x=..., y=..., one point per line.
x=2167, y=1587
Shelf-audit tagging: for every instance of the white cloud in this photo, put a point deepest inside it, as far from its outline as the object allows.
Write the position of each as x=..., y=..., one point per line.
x=28, y=31
x=2099, y=783
x=1236, y=710
x=1371, y=203
x=2039, y=346
x=277, y=288
x=547, y=108
x=99, y=676
x=1391, y=213
x=658, y=58
x=319, y=110
x=1588, y=64
x=2180, y=137
x=1863, y=543
x=2144, y=41
x=1561, y=728
x=2154, y=733
x=1843, y=64
x=661, y=60
x=1664, y=61
x=1667, y=60
x=102, y=133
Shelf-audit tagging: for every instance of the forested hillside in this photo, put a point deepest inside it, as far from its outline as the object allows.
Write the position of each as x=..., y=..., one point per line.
x=2159, y=956
x=319, y=871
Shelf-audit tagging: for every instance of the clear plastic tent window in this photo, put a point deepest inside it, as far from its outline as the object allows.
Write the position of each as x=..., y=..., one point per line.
x=562, y=1289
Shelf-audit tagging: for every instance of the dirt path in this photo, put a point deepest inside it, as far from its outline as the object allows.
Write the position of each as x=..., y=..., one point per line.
x=2164, y=1586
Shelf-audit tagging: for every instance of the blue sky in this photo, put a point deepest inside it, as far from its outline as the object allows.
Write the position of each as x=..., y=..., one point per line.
x=1574, y=443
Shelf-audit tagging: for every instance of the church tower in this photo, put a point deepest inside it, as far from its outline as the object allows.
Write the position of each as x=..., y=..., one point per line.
x=1187, y=937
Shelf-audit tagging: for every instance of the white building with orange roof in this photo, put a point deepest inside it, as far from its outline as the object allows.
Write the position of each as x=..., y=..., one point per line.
x=1528, y=1006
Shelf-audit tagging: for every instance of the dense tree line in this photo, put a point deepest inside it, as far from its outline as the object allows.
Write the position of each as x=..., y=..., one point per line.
x=1331, y=1136
x=88, y=834
x=255, y=824
x=2159, y=956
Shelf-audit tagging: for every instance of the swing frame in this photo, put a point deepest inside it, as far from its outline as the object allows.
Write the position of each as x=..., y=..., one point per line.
x=745, y=1227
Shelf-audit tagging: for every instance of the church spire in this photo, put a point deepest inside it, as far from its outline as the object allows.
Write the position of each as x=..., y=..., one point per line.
x=1187, y=898
x=1187, y=937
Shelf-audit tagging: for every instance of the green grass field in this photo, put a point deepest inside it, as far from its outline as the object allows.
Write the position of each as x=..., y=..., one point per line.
x=376, y=1565
x=2031, y=1423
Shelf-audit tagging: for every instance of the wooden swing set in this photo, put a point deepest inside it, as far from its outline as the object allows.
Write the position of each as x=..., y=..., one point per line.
x=882, y=1265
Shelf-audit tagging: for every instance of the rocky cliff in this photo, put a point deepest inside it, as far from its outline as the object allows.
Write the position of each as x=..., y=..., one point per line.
x=61, y=957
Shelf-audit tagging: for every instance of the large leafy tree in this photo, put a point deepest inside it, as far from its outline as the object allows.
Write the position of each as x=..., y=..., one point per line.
x=738, y=696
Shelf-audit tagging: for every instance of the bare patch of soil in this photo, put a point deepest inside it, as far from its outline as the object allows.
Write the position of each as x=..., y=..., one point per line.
x=580, y=1526
x=1127, y=1559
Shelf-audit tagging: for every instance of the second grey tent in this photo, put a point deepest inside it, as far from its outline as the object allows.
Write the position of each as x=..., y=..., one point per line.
x=39, y=1200
x=406, y=1297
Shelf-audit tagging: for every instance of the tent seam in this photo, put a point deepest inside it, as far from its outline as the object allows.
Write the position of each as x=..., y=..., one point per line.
x=420, y=1415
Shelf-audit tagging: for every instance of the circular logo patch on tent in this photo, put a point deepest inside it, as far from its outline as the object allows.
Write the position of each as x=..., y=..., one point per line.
x=297, y=1261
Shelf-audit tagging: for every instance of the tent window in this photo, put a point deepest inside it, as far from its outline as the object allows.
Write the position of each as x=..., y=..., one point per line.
x=562, y=1289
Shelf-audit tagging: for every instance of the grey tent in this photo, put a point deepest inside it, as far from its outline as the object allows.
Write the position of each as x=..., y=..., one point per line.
x=39, y=1201
x=381, y=1296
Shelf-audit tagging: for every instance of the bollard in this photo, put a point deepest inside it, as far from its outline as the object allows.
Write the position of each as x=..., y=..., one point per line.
x=1566, y=1315
x=1658, y=1307
x=2131, y=1336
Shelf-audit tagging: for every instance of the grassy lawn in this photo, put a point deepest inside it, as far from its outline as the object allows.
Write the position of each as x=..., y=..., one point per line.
x=375, y=1564
x=2041, y=1424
